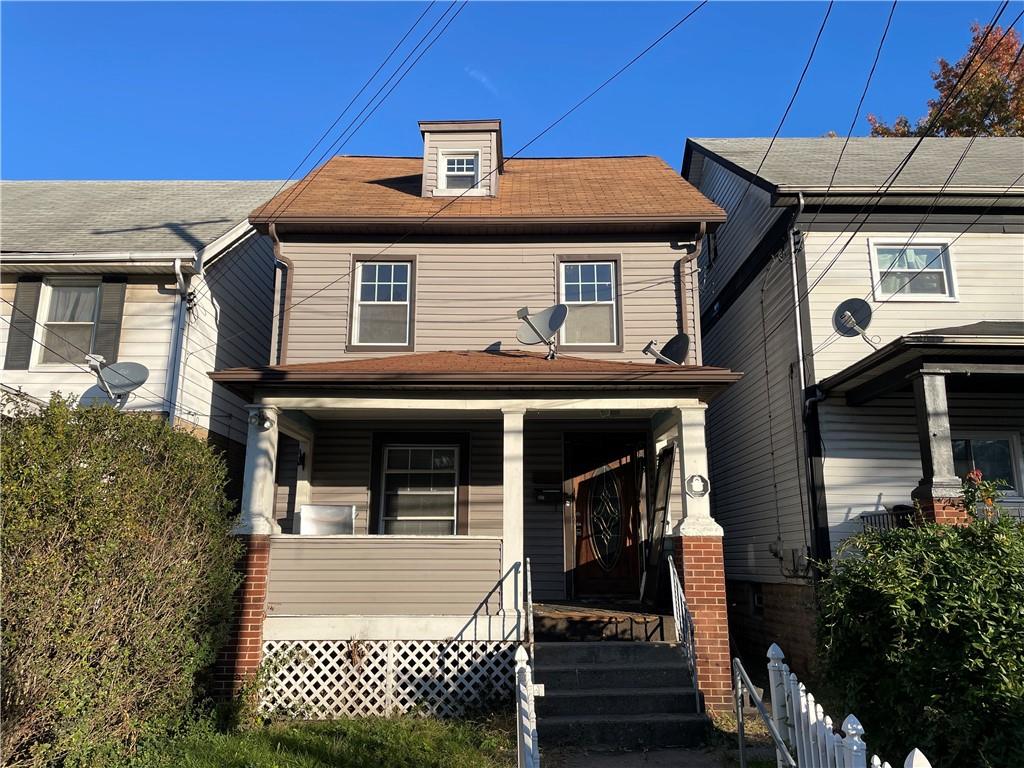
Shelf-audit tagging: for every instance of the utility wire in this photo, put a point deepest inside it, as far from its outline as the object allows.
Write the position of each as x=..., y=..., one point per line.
x=962, y=80
x=525, y=146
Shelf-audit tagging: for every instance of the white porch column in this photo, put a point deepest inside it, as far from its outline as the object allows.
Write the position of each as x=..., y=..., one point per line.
x=693, y=468
x=939, y=491
x=260, y=463
x=512, y=509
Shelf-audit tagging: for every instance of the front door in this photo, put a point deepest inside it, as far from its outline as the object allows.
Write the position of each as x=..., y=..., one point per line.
x=605, y=478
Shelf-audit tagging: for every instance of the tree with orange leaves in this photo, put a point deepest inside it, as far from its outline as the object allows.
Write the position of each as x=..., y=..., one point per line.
x=992, y=101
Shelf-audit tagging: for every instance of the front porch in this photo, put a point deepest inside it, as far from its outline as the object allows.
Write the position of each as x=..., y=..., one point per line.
x=408, y=518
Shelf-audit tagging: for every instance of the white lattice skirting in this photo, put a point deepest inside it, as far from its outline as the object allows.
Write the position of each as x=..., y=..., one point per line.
x=323, y=679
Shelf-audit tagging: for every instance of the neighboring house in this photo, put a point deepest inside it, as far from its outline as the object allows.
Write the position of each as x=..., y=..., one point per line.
x=825, y=435
x=169, y=274
x=405, y=416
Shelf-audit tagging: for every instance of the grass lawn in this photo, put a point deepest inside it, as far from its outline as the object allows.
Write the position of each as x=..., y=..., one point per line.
x=404, y=742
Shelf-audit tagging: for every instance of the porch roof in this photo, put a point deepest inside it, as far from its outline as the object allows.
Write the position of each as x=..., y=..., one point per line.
x=505, y=369
x=980, y=351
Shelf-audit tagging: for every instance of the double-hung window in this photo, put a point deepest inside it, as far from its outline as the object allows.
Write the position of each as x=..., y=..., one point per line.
x=588, y=288
x=421, y=490
x=382, y=306
x=996, y=455
x=461, y=171
x=912, y=271
x=68, y=314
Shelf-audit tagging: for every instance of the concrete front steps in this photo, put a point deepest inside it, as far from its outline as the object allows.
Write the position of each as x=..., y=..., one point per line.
x=614, y=694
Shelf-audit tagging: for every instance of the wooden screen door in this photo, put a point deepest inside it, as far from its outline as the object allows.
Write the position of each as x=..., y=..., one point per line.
x=605, y=474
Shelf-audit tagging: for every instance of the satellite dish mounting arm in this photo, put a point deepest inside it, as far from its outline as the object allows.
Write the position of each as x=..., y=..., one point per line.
x=96, y=363
x=524, y=314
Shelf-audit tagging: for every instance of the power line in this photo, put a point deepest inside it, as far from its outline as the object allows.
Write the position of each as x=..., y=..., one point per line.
x=490, y=173
x=789, y=106
x=856, y=116
x=890, y=180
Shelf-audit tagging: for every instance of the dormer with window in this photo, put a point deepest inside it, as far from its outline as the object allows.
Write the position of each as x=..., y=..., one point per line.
x=461, y=158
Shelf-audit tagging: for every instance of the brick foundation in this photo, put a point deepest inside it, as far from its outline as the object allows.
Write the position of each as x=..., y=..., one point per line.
x=785, y=614
x=944, y=511
x=240, y=657
x=698, y=560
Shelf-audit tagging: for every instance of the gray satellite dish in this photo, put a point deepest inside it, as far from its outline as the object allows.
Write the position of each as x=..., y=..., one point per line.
x=118, y=380
x=674, y=351
x=543, y=327
x=852, y=318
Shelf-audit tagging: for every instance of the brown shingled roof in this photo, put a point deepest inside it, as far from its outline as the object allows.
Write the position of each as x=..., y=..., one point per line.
x=515, y=368
x=576, y=189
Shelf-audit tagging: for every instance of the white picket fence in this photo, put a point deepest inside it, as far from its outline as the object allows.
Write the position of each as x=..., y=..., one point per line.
x=810, y=733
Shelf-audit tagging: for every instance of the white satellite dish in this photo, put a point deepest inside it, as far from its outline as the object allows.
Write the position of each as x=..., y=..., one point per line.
x=118, y=380
x=543, y=327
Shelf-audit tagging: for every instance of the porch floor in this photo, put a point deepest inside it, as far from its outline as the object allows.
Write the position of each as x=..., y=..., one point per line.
x=597, y=620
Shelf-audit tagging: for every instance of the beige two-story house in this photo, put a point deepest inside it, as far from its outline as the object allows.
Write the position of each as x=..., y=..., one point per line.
x=419, y=479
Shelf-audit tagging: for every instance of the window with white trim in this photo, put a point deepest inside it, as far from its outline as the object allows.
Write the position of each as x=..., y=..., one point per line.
x=912, y=271
x=68, y=321
x=996, y=455
x=461, y=171
x=588, y=289
x=421, y=490
x=382, y=304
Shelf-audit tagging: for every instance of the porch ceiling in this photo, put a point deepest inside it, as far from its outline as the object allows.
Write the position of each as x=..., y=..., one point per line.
x=989, y=361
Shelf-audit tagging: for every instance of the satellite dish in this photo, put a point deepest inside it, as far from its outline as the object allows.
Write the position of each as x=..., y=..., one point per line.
x=118, y=380
x=851, y=315
x=543, y=327
x=852, y=318
x=674, y=351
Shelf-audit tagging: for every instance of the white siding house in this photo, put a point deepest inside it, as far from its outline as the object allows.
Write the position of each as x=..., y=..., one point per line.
x=183, y=285
x=821, y=437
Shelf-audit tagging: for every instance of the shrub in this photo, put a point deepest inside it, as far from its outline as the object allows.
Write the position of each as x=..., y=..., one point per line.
x=118, y=574
x=921, y=631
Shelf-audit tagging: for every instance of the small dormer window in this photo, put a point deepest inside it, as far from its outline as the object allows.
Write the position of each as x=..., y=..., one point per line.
x=461, y=171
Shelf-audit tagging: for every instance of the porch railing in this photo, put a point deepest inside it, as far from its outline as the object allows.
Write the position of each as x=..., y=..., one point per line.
x=684, y=627
x=526, y=711
x=898, y=517
x=528, y=605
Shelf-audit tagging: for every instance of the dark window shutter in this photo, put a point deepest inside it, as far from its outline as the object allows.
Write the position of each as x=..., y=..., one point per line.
x=108, y=327
x=23, y=323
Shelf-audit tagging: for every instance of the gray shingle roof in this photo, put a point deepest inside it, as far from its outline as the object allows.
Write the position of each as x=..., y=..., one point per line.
x=801, y=164
x=116, y=216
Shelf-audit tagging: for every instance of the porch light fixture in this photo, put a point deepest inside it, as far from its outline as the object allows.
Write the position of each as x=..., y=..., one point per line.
x=262, y=418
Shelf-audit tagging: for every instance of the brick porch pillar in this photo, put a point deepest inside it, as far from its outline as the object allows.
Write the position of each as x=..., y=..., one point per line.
x=697, y=555
x=240, y=658
x=939, y=492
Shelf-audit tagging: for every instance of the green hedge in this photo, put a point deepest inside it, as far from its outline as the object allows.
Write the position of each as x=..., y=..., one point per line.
x=921, y=631
x=118, y=575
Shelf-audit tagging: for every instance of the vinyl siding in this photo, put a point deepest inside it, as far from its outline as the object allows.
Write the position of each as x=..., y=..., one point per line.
x=989, y=273
x=544, y=538
x=741, y=232
x=342, y=461
x=145, y=338
x=467, y=294
x=873, y=461
x=755, y=506
x=228, y=326
x=383, y=576
x=469, y=141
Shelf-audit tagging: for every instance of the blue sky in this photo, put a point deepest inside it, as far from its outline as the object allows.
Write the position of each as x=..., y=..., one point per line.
x=242, y=90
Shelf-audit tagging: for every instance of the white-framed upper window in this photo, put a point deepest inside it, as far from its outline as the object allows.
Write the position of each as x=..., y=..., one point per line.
x=996, y=454
x=382, y=306
x=588, y=288
x=460, y=170
x=916, y=271
x=67, y=316
x=420, y=490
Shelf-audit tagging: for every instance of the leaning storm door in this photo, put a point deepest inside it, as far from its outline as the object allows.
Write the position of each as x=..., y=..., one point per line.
x=606, y=479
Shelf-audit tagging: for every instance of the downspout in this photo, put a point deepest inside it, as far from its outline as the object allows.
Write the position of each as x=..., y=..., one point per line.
x=687, y=297
x=808, y=400
x=177, y=342
x=279, y=329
